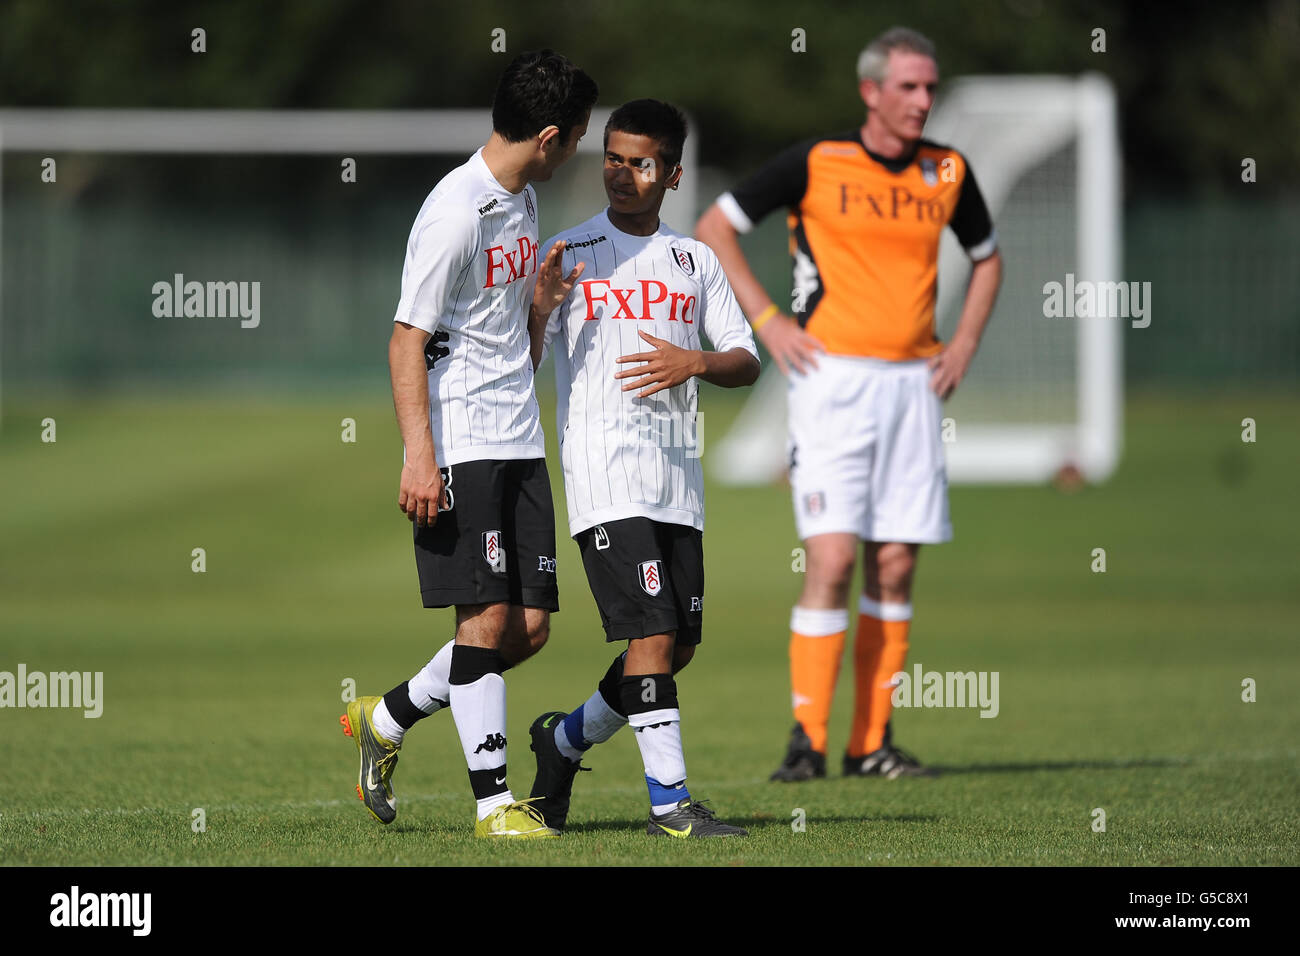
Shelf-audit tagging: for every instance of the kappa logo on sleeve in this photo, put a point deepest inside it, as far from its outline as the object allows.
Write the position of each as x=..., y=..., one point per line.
x=651, y=578
x=493, y=553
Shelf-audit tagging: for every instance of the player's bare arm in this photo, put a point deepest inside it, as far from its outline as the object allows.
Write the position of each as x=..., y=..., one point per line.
x=949, y=366
x=552, y=288
x=791, y=347
x=420, y=488
x=669, y=365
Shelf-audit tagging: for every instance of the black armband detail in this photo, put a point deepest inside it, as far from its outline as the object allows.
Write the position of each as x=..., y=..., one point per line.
x=608, y=687
x=484, y=782
x=468, y=663
x=643, y=693
x=400, y=708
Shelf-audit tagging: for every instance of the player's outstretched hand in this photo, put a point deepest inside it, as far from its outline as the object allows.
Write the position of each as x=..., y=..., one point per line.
x=553, y=286
x=790, y=346
x=665, y=367
x=421, y=493
x=949, y=367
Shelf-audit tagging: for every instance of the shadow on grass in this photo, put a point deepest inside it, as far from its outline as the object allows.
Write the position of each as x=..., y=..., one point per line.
x=1034, y=766
x=756, y=824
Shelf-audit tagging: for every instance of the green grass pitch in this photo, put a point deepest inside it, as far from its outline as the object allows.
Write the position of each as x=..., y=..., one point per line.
x=1119, y=690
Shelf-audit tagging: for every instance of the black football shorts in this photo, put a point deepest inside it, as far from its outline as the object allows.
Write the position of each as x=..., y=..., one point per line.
x=496, y=541
x=647, y=578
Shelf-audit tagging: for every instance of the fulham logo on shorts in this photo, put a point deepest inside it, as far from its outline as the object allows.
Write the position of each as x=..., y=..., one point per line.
x=601, y=537
x=685, y=261
x=492, y=551
x=651, y=579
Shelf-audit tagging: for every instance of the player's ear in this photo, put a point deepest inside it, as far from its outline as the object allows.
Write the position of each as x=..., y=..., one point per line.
x=548, y=138
x=869, y=91
x=675, y=176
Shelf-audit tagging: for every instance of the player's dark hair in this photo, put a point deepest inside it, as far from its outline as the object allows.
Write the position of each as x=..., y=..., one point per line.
x=661, y=121
x=541, y=88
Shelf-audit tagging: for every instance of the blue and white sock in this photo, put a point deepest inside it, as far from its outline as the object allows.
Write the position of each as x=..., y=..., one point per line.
x=598, y=719
x=594, y=722
x=659, y=737
x=651, y=704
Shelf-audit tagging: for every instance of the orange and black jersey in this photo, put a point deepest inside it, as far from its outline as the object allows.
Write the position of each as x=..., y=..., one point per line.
x=864, y=236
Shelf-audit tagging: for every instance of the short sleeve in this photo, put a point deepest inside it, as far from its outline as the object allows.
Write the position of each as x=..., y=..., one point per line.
x=780, y=183
x=971, y=221
x=724, y=323
x=441, y=249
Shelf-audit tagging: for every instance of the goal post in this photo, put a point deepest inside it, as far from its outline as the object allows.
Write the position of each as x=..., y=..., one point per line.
x=338, y=134
x=1043, y=393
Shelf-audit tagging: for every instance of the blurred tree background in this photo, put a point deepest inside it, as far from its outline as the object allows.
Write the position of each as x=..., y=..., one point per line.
x=1201, y=86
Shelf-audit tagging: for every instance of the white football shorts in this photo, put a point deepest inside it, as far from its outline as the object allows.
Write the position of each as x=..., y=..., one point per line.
x=866, y=451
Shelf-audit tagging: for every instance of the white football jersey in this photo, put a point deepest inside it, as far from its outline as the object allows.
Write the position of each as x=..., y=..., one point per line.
x=470, y=267
x=624, y=456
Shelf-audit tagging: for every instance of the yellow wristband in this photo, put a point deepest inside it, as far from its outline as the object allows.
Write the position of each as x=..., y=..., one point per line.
x=764, y=317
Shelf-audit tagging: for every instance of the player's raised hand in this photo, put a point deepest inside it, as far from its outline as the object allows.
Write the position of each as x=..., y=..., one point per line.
x=791, y=347
x=421, y=492
x=667, y=366
x=553, y=286
x=949, y=367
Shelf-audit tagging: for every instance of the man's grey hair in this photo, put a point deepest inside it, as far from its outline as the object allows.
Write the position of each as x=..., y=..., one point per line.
x=873, y=60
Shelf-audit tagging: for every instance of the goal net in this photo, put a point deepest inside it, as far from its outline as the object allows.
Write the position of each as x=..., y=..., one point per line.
x=1043, y=393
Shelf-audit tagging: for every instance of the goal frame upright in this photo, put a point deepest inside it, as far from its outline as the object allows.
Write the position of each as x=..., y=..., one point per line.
x=1006, y=125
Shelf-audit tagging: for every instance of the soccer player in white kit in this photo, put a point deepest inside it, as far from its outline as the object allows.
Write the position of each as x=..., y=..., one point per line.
x=474, y=482
x=627, y=349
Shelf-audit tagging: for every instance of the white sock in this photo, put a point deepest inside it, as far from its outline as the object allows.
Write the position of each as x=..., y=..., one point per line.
x=659, y=737
x=385, y=725
x=594, y=723
x=488, y=804
x=479, y=710
x=599, y=720
x=430, y=689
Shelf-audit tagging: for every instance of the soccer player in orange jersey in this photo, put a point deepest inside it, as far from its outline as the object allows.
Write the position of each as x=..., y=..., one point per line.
x=867, y=374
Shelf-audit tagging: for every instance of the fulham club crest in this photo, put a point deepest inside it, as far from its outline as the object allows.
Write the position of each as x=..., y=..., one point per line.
x=492, y=551
x=685, y=261
x=602, y=538
x=929, y=172
x=651, y=578
x=528, y=204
